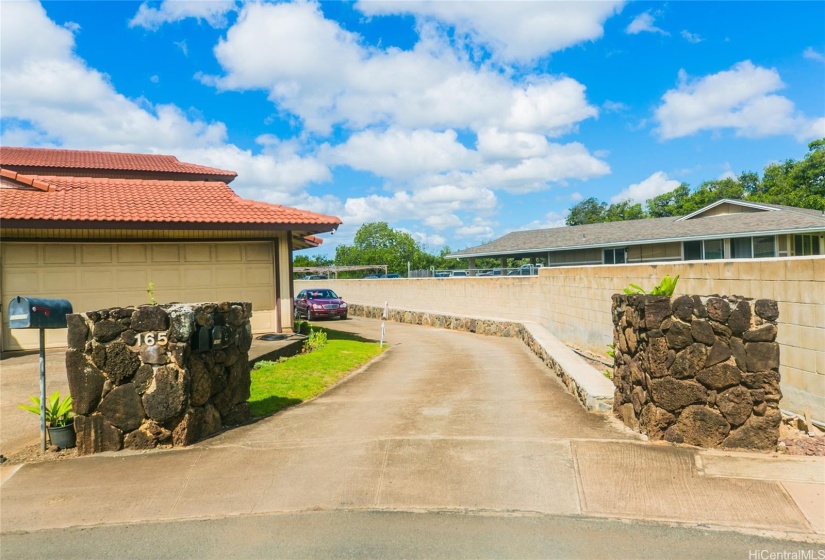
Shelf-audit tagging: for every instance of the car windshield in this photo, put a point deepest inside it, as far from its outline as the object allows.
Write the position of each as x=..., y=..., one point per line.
x=321, y=294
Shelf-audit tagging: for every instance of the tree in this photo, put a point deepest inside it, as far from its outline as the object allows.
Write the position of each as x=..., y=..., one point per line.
x=378, y=243
x=796, y=183
x=304, y=260
x=625, y=210
x=669, y=203
x=588, y=211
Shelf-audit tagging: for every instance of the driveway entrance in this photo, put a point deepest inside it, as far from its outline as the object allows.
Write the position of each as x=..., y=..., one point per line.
x=444, y=421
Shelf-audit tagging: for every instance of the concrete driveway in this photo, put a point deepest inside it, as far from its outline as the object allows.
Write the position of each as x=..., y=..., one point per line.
x=445, y=421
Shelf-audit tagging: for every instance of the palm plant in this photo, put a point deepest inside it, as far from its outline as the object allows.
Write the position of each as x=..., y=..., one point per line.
x=58, y=413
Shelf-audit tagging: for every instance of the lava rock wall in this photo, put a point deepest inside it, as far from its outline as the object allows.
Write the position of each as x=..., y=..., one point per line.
x=698, y=370
x=158, y=374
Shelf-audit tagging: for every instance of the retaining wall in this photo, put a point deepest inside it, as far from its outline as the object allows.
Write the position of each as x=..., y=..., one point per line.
x=574, y=304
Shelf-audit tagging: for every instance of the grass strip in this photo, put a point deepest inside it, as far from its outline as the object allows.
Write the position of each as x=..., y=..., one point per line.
x=278, y=385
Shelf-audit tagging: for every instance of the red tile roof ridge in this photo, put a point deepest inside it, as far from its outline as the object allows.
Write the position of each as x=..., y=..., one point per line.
x=29, y=180
x=113, y=161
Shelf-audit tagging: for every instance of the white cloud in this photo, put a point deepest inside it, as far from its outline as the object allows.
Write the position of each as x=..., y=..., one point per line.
x=812, y=54
x=316, y=70
x=691, y=37
x=559, y=163
x=72, y=26
x=741, y=99
x=512, y=31
x=212, y=12
x=495, y=144
x=552, y=219
x=437, y=207
x=154, y=79
x=52, y=97
x=656, y=184
x=615, y=106
x=475, y=231
x=643, y=23
x=403, y=154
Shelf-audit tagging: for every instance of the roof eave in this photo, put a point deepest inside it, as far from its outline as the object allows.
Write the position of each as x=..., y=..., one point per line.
x=310, y=229
x=808, y=229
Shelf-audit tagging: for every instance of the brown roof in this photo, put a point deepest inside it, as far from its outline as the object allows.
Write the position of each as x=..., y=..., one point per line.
x=779, y=219
x=48, y=158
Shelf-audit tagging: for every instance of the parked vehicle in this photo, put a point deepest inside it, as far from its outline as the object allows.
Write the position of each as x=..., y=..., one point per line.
x=315, y=277
x=390, y=275
x=459, y=273
x=316, y=304
x=441, y=274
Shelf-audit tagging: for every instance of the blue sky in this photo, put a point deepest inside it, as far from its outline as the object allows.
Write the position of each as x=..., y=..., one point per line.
x=455, y=121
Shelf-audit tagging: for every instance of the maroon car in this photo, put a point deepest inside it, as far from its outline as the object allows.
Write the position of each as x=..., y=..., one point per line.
x=318, y=303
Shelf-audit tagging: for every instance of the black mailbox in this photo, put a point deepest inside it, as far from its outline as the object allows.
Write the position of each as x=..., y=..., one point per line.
x=217, y=337
x=201, y=341
x=38, y=313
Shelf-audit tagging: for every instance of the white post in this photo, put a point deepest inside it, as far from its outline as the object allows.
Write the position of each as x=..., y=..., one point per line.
x=384, y=317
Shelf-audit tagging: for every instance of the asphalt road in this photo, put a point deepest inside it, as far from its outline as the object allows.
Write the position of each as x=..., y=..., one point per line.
x=353, y=534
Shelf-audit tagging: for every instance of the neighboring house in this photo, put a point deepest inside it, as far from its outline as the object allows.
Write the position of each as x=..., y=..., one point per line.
x=97, y=227
x=727, y=229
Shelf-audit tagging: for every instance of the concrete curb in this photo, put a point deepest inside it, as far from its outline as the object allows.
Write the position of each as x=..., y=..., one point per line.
x=589, y=385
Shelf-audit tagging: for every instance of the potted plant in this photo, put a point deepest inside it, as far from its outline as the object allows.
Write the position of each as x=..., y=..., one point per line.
x=58, y=419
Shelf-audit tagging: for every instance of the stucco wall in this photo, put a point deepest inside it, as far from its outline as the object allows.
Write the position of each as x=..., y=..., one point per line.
x=574, y=304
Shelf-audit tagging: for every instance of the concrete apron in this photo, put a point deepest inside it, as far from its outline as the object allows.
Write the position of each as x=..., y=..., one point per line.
x=444, y=421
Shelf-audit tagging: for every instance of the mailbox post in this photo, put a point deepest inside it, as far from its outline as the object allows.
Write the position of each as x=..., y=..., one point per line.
x=39, y=313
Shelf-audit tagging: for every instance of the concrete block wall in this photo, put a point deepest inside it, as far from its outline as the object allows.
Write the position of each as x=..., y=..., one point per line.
x=574, y=304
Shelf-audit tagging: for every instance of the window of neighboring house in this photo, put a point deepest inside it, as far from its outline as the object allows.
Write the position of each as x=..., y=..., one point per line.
x=693, y=250
x=764, y=246
x=714, y=248
x=740, y=248
x=806, y=245
x=614, y=256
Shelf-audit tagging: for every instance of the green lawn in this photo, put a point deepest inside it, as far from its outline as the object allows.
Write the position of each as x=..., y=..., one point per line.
x=276, y=386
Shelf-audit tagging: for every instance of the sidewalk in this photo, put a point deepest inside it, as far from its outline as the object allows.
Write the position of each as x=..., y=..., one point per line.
x=445, y=421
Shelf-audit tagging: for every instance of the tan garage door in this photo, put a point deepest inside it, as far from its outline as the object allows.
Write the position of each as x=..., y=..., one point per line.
x=100, y=275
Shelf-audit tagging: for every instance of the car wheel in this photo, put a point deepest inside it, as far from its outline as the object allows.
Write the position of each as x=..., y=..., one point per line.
x=344, y=317
x=309, y=315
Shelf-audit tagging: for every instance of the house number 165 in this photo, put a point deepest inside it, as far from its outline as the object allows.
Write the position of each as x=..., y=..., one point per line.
x=151, y=338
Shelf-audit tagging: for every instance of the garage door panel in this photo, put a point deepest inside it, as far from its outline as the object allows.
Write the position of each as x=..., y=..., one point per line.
x=132, y=253
x=165, y=278
x=259, y=252
x=59, y=254
x=97, y=279
x=132, y=279
x=229, y=252
x=20, y=282
x=262, y=321
x=165, y=253
x=198, y=277
x=96, y=254
x=20, y=254
x=229, y=276
x=197, y=253
x=259, y=275
x=60, y=280
x=260, y=298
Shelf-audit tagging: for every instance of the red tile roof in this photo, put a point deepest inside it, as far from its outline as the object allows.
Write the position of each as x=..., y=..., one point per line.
x=111, y=202
x=47, y=158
